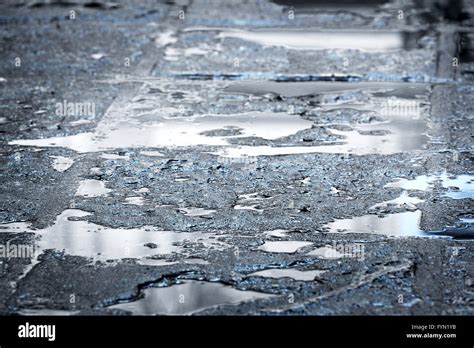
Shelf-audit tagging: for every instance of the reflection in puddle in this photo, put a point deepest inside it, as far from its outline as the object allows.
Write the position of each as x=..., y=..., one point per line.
x=141, y=124
x=92, y=188
x=403, y=201
x=301, y=89
x=250, y=201
x=164, y=262
x=61, y=164
x=287, y=273
x=187, y=298
x=134, y=200
x=400, y=134
x=277, y=233
x=459, y=187
x=183, y=179
x=83, y=238
x=328, y=39
x=192, y=211
x=283, y=246
x=179, y=131
x=404, y=224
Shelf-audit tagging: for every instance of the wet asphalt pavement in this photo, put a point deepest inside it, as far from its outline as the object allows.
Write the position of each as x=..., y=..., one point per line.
x=265, y=158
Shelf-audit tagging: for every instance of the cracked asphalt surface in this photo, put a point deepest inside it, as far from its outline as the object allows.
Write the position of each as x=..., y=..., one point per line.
x=222, y=144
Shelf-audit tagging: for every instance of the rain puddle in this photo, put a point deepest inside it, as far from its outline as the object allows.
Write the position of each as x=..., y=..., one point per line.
x=287, y=273
x=250, y=201
x=458, y=187
x=187, y=298
x=403, y=128
x=302, y=89
x=163, y=131
x=164, y=262
x=283, y=246
x=92, y=188
x=404, y=200
x=182, y=179
x=61, y=164
x=399, y=134
x=134, y=201
x=364, y=40
x=141, y=124
x=277, y=233
x=83, y=238
x=404, y=224
x=192, y=211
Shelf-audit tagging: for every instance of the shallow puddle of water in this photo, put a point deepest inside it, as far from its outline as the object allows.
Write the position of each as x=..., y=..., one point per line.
x=277, y=233
x=458, y=187
x=248, y=207
x=183, y=179
x=180, y=131
x=283, y=246
x=164, y=262
x=61, y=164
x=192, y=211
x=399, y=134
x=404, y=224
x=135, y=201
x=187, y=298
x=145, y=125
x=83, y=238
x=404, y=200
x=301, y=89
x=250, y=201
x=287, y=273
x=365, y=40
x=92, y=188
